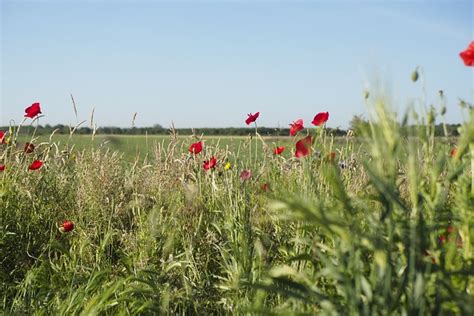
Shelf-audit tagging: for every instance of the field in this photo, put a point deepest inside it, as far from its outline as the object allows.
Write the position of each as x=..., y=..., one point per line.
x=378, y=223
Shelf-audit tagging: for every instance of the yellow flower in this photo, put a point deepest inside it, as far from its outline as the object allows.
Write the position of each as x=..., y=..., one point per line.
x=227, y=166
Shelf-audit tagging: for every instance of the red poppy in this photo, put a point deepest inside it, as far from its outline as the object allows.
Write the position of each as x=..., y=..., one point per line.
x=303, y=147
x=36, y=165
x=2, y=167
x=245, y=175
x=251, y=118
x=320, y=118
x=29, y=148
x=265, y=187
x=279, y=150
x=33, y=110
x=209, y=164
x=332, y=156
x=468, y=55
x=66, y=226
x=296, y=126
x=195, y=148
x=2, y=137
x=453, y=152
x=441, y=239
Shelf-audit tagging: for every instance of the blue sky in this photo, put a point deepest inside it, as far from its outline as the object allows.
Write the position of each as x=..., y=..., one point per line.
x=203, y=63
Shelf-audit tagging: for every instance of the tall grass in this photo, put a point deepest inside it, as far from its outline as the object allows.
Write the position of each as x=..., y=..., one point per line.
x=386, y=228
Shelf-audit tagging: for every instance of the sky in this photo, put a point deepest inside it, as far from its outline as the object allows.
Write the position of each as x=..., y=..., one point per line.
x=209, y=63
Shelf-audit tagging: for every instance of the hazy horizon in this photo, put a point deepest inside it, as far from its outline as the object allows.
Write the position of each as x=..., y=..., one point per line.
x=207, y=64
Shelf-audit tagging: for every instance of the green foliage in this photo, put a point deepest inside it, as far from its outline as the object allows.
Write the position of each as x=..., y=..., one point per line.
x=386, y=227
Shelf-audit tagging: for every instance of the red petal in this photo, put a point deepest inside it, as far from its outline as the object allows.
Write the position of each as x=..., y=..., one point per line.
x=468, y=55
x=320, y=118
x=36, y=165
x=303, y=147
x=33, y=110
x=252, y=118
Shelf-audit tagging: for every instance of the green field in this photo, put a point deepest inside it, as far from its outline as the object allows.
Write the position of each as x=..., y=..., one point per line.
x=133, y=147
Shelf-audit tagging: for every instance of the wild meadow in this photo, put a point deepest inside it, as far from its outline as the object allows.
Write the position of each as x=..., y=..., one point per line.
x=379, y=222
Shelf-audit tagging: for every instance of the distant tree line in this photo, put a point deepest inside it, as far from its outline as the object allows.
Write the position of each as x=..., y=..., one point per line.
x=357, y=124
x=159, y=130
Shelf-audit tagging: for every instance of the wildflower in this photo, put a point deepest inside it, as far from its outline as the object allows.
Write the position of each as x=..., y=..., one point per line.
x=36, y=165
x=320, y=118
x=29, y=148
x=245, y=175
x=33, y=110
x=468, y=55
x=303, y=147
x=227, y=166
x=265, y=187
x=209, y=164
x=453, y=152
x=296, y=126
x=2, y=137
x=332, y=156
x=195, y=148
x=279, y=150
x=251, y=118
x=2, y=167
x=66, y=226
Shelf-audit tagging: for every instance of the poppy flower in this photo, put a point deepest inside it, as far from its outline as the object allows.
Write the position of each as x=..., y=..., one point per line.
x=2, y=137
x=332, y=156
x=252, y=118
x=453, y=152
x=33, y=110
x=279, y=150
x=29, y=148
x=195, y=148
x=66, y=226
x=209, y=164
x=36, y=165
x=468, y=55
x=245, y=175
x=320, y=118
x=296, y=126
x=303, y=147
x=2, y=167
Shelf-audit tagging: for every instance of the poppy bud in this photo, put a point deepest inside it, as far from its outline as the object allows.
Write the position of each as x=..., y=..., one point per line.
x=414, y=75
x=66, y=226
x=443, y=110
x=366, y=94
x=29, y=148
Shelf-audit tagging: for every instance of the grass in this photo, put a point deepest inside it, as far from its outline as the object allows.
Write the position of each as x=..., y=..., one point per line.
x=386, y=228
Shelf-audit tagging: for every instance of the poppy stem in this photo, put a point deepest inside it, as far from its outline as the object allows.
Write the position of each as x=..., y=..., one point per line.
x=256, y=144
